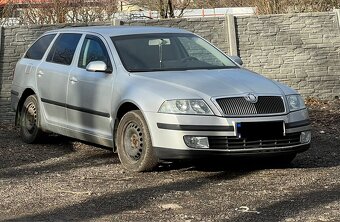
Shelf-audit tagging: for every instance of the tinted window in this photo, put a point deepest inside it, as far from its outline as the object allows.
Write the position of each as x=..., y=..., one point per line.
x=38, y=49
x=63, y=49
x=93, y=49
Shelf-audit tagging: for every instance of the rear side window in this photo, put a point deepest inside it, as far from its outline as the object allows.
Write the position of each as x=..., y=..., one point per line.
x=63, y=49
x=38, y=49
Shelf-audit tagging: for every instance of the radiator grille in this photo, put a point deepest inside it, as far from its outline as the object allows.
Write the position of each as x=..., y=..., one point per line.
x=230, y=143
x=241, y=107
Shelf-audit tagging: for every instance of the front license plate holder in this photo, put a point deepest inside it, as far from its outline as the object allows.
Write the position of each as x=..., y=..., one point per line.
x=263, y=130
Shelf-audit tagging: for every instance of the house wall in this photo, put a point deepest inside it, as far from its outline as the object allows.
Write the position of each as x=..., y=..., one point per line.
x=301, y=50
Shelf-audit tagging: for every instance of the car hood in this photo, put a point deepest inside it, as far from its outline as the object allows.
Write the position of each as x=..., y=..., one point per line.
x=216, y=83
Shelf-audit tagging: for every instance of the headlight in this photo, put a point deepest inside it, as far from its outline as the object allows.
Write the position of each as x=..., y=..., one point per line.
x=295, y=102
x=183, y=106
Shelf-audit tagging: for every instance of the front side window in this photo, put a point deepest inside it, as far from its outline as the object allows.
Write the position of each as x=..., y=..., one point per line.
x=64, y=48
x=38, y=49
x=169, y=51
x=93, y=49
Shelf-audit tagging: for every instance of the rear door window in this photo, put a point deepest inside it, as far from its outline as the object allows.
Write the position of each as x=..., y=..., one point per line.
x=38, y=49
x=64, y=48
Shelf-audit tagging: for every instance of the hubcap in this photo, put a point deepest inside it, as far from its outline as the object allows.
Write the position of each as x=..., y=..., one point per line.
x=30, y=118
x=133, y=141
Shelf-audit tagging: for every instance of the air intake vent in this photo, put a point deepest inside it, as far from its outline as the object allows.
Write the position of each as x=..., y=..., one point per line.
x=232, y=143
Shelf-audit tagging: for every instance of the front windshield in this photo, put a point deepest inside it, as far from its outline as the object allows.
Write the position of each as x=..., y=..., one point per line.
x=168, y=51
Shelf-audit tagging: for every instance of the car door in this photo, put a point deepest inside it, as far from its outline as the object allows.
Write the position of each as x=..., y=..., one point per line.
x=89, y=93
x=52, y=77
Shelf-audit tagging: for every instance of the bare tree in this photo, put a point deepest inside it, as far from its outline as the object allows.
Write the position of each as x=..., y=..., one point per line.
x=310, y=5
x=60, y=11
x=166, y=8
x=271, y=6
x=85, y=11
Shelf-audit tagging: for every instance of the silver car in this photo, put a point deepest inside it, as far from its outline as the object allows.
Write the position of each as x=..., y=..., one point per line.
x=154, y=94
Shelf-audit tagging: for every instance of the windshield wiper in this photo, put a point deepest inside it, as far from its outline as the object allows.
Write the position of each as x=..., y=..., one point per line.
x=146, y=70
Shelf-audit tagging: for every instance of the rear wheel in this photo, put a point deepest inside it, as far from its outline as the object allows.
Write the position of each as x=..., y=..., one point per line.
x=30, y=120
x=134, y=144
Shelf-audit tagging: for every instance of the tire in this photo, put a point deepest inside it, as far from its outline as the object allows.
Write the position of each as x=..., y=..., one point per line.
x=30, y=131
x=134, y=144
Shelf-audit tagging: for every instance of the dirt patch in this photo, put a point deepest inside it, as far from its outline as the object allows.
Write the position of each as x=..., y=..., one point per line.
x=67, y=180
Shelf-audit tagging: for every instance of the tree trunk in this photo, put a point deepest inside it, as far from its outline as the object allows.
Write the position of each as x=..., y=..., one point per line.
x=162, y=12
x=171, y=9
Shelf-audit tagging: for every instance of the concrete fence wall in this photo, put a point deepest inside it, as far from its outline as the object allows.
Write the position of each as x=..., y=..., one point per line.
x=214, y=29
x=301, y=50
x=14, y=43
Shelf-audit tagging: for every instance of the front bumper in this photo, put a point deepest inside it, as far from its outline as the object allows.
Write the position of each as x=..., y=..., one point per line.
x=177, y=154
x=167, y=133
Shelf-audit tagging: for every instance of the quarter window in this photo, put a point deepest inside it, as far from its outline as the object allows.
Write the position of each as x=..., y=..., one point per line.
x=93, y=49
x=63, y=49
x=38, y=49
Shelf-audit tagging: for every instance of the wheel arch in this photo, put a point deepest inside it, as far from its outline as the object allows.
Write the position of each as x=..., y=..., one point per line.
x=26, y=93
x=124, y=108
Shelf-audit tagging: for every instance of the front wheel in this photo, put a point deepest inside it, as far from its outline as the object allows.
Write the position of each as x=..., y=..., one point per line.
x=134, y=144
x=30, y=120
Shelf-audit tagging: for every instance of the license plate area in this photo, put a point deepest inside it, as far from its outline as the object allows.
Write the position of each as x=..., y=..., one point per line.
x=263, y=130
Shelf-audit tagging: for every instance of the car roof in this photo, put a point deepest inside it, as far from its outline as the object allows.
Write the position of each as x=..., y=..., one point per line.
x=120, y=30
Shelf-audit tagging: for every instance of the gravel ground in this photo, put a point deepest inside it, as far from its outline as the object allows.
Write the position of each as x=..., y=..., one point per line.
x=67, y=180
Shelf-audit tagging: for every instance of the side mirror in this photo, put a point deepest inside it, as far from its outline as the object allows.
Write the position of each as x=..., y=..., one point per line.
x=237, y=59
x=97, y=66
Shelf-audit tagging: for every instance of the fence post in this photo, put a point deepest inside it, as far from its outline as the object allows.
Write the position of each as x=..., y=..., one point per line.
x=231, y=32
x=1, y=31
x=116, y=22
x=337, y=12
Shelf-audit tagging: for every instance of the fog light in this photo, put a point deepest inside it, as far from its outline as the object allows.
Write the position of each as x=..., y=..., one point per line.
x=196, y=141
x=305, y=137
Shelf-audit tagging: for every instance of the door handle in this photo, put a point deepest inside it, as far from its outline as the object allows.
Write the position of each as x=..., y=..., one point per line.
x=73, y=79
